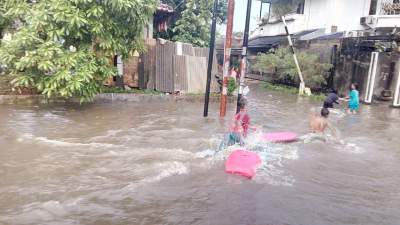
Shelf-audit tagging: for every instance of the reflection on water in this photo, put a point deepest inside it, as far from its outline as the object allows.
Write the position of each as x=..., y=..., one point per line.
x=160, y=164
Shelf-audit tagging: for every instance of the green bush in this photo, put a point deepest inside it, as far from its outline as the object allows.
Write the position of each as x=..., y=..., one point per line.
x=280, y=64
x=232, y=85
x=291, y=90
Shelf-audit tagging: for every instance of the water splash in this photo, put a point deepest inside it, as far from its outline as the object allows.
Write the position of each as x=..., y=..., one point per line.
x=274, y=156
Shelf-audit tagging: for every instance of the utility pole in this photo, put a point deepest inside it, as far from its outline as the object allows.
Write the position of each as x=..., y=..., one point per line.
x=227, y=56
x=243, y=62
x=210, y=57
x=296, y=61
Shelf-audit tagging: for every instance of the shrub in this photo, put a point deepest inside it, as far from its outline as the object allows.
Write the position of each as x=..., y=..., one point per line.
x=280, y=64
x=232, y=85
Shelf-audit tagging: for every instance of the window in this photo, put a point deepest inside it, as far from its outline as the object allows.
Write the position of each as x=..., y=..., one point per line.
x=373, y=7
x=334, y=29
x=300, y=7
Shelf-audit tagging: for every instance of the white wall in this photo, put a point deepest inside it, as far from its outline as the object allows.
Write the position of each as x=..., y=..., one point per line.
x=317, y=13
x=348, y=14
x=273, y=29
x=345, y=14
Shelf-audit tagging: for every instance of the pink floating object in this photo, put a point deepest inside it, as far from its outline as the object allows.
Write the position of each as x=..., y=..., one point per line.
x=280, y=137
x=243, y=163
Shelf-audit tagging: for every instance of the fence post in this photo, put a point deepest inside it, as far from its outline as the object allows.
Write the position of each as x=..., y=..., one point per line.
x=396, y=99
x=373, y=67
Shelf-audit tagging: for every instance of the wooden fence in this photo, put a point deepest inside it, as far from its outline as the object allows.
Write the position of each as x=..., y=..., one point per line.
x=171, y=67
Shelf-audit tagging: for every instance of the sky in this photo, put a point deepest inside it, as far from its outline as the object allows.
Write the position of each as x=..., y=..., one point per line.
x=240, y=16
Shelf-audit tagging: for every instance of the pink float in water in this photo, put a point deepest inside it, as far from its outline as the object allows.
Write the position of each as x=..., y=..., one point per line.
x=243, y=163
x=280, y=137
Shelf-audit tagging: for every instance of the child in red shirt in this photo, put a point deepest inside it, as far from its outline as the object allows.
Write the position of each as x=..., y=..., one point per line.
x=241, y=124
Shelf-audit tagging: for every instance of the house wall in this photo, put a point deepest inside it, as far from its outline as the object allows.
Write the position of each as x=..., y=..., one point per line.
x=295, y=22
x=347, y=14
x=317, y=13
x=322, y=14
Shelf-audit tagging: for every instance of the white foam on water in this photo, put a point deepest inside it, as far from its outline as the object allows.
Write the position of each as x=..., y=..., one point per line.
x=314, y=137
x=272, y=169
x=335, y=112
x=139, y=154
x=350, y=148
x=38, y=213
x=167, y=170
x=151, y=173
x=205, y=154
x=64, y=143
x=108, y=134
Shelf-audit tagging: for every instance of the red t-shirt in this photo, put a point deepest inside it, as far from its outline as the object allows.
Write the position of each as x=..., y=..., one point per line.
x=244, y=121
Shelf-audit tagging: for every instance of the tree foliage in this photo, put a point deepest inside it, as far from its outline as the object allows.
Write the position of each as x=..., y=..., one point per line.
x=191, y=22
x=64, y=47
x=4, y=22
x=280, y=64
x=284, y=7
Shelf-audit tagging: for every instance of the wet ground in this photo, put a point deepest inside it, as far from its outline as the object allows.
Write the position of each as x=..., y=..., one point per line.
x=157, y=164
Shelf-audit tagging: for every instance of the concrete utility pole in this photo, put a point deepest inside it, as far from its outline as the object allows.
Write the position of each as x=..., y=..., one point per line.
x=302, y=84
x=227, y=57
x=243, y=62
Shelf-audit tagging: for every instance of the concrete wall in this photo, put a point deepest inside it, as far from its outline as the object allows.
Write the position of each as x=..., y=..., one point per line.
x=295, y=22
x=347, y=14
x=317, y=13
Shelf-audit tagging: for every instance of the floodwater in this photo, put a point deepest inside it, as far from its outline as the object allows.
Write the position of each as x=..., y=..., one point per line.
x=126, y=163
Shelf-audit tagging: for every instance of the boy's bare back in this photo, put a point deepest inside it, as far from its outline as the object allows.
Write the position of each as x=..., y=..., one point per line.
x=318, y=124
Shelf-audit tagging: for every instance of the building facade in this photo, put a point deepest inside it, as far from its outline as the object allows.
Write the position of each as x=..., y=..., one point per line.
x=331, y=16
x=360, y=38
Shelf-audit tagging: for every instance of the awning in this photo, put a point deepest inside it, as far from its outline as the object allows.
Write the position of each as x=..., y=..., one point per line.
x=267, y=41
x=337, y=35
x=272, y=41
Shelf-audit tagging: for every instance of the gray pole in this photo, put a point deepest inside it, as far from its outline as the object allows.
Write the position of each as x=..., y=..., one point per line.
x=243, y=63
x=210, y=58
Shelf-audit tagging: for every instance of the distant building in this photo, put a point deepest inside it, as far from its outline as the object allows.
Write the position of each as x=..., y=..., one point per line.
x=359, y=37
x=331, y=16
x=130, y=67
x=160, y=20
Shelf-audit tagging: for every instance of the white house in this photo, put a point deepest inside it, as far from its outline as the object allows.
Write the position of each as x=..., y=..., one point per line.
x=330, y=16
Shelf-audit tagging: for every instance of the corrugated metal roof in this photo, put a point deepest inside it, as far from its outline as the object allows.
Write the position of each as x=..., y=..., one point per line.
x=165, y=8
x=336, y=35
x=266, y=41
x=271, y=41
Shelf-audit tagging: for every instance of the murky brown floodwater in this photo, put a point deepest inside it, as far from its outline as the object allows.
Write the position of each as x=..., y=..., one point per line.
x=155, y=164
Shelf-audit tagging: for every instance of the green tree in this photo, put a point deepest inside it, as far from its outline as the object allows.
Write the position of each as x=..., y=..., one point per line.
x=284, y=7
x=280, y=65
x=191, y=22
x=64, y=47
x=4, y=22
